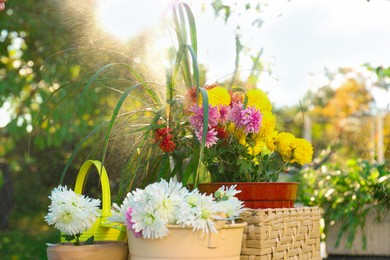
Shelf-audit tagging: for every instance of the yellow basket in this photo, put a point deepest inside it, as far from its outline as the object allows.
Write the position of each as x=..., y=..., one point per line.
x=102, y=229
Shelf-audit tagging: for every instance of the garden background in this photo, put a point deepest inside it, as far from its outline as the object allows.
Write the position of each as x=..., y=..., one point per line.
x=49, y=50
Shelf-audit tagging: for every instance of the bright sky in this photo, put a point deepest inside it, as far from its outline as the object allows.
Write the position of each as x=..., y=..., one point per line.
x=306, y=37
x=299, y=37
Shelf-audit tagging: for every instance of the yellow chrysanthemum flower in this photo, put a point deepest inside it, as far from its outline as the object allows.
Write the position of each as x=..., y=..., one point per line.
x=302, y=151
x=268, y=123
x=284, y=143
x=242, y=139
x=256, y=149
x=231, y=128
x=239, y=133
x=270, y=140
x=258, y=99
x=217, y=96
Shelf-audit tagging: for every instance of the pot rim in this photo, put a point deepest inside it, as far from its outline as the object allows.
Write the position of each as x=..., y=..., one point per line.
x=225, y=226
x=249, y=183
x=95, y=243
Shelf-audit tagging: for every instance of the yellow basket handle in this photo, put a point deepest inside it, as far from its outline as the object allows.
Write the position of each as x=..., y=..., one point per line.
x=106, y=195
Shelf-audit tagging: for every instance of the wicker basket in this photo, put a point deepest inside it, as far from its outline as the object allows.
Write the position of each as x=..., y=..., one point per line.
x=288, y=233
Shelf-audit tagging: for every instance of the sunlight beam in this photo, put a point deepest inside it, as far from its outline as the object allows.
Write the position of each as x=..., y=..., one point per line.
x=126, y=19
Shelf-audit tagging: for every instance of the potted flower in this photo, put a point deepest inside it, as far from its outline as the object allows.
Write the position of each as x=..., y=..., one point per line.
x=355, y=199
x=165, y=220
x=72, y=214
x=244, y=148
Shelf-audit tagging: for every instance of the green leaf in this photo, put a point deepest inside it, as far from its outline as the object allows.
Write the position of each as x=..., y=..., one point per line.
x=192, y=25
x=89, y=241
x=164, y=167
x=115, y=114
x=193, y=164
x=194, y=65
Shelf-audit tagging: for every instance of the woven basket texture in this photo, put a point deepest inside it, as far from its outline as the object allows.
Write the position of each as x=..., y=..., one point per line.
x=284, y=233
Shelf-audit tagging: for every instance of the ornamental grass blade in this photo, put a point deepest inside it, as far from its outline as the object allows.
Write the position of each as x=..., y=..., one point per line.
x=75, y=151
x=139, y=161
x=182, y=55
x=115, y=114
x=205, y=103
x=164, y=167
x=194, y=65
x=193, y=164
x=153, y=94
x=192, y=26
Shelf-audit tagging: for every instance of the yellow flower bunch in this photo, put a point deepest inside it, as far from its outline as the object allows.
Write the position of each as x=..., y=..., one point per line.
x=218, y=96
x=259, y=99
x=268, y=124
x=294, y=149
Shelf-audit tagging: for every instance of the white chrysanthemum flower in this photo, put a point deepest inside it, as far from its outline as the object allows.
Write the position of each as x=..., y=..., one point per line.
x=187, y=208
x=204, y=214
x=149, y=221
x=232, y=207
x=71, y=213
x=118, y=213
x=163, y=203
x=174, y=196
x=225, y=193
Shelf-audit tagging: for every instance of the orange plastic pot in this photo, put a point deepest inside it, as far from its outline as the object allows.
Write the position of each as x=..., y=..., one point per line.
x=259, y=195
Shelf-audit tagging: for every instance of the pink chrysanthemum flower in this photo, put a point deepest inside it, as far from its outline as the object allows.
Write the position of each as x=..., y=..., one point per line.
x=251, y=120
x=129, y=223
x=196, y=120
x=224, y=112
x=235, y=114
x=211, y=137
x=214, y=116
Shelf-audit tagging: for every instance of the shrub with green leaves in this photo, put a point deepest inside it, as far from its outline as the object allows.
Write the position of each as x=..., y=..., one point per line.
x=347, y=193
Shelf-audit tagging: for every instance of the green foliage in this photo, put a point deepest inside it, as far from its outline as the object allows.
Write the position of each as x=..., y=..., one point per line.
x=231, y=162
x=139, y=110
x=20, y=245
x=77, y=242
x=347, y=192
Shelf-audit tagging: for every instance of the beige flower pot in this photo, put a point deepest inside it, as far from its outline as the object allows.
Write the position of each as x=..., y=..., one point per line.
x=377, y=235
x=107, y=250
x=183, y=243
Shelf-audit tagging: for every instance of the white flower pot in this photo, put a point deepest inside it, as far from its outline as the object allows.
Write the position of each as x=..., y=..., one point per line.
x=183, y=243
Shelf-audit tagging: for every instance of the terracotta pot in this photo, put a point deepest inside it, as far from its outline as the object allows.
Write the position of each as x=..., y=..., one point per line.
x=259, y=195
x=107, y=250
x=183, y=243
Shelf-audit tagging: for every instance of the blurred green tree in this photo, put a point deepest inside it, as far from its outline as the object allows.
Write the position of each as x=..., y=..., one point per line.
x=49, y=50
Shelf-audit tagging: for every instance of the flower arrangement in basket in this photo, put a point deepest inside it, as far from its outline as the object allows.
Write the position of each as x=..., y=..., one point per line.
x=147, y=212
x=167, y=211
